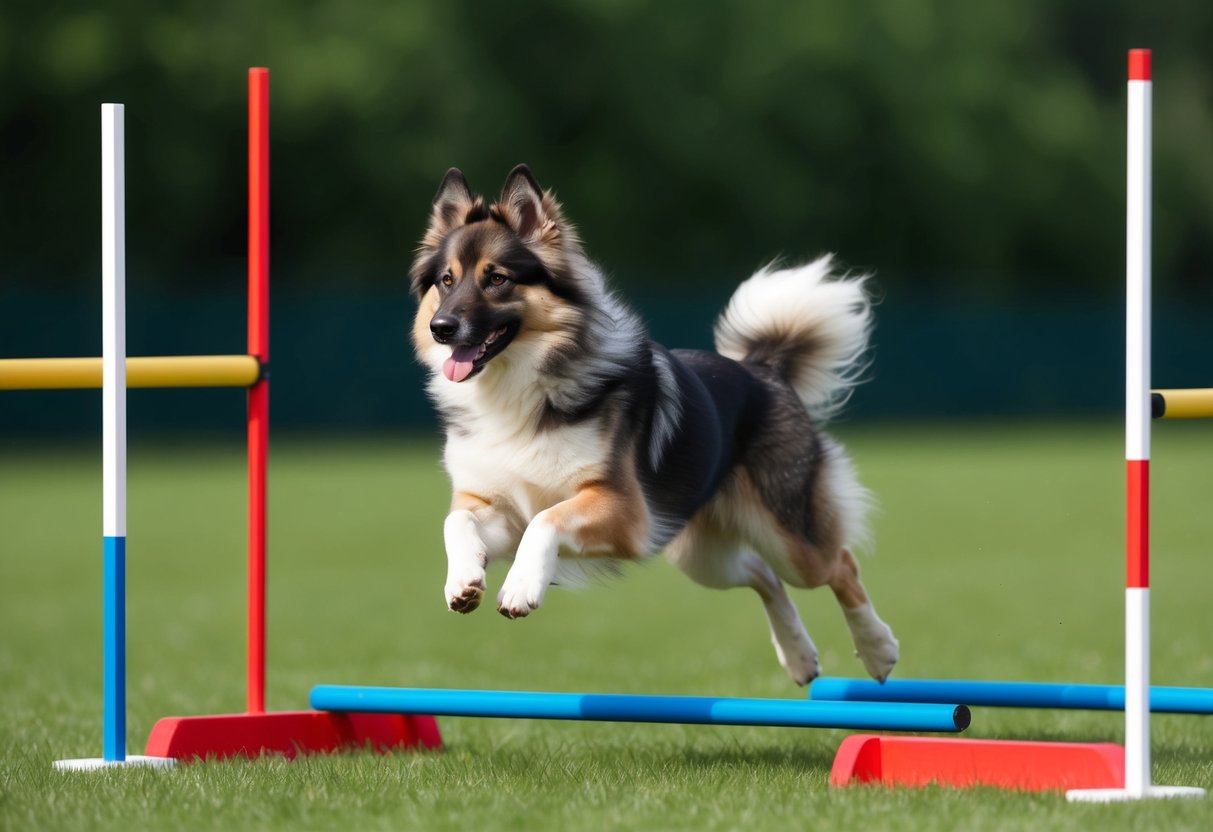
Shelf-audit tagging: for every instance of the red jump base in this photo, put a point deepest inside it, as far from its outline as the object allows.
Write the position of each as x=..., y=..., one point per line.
x=287, y=733
x=1005, y=764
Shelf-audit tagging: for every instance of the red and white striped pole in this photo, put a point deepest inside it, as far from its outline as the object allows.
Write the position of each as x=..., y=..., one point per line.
x=1137, y=452
x=1137, y=429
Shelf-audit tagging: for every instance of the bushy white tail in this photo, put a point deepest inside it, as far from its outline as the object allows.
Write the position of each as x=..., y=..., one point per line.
x=806, y=323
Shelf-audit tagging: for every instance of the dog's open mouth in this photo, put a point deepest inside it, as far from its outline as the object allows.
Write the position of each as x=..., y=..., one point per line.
x=468, y=359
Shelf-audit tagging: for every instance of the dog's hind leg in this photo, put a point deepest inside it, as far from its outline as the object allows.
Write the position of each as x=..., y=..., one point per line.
x=874, y=642
x=804, y=527
x=793, y=646
x=720, y=561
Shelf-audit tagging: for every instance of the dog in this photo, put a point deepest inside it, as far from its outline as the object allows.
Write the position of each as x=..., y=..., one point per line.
x=575, y=442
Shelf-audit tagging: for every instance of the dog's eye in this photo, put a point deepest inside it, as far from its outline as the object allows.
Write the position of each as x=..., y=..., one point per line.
x=496, y=278
x=448, y=280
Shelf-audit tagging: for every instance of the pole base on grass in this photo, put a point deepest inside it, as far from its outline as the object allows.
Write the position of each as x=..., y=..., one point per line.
x=1124, y=795
x=93, y=763
x=1005, y=764
x=288, y=733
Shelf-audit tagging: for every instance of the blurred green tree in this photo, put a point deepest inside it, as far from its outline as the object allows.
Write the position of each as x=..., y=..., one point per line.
x=947, y=144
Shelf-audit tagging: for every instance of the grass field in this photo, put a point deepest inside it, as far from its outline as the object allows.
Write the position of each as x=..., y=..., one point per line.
x=998, y=555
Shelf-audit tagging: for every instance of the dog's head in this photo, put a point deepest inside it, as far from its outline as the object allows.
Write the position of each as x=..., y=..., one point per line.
x=485, y=275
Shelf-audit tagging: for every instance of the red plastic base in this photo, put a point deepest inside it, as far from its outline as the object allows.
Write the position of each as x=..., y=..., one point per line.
x=288, y=733
x=1006, y=764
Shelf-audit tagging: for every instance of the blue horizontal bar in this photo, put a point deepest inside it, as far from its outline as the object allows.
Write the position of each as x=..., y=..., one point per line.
x=610, y=707
x=1164, y=700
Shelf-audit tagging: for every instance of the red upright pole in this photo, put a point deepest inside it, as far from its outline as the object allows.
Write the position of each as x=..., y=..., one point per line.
x=259, y=393
x=255, y=731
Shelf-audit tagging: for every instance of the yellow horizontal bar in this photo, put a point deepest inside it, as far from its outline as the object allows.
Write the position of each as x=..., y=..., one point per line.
x=164, y=371
x=1196, y=403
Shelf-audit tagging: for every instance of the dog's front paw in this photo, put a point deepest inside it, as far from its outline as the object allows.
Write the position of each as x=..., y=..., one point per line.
x=519, y=595
x=465, y=594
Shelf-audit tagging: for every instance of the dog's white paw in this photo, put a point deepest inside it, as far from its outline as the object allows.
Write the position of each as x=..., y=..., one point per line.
x=520, y=594
x=465, y=592
x=799, y=660
x=533, y=570
x=875, y=644
x=879, y=655
x=798, y=657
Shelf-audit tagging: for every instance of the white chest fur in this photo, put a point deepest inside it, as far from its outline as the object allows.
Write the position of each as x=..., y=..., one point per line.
x=532, y=470
x=495, y=448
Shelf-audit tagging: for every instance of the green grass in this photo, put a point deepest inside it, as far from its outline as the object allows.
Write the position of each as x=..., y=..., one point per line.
x=998, y=556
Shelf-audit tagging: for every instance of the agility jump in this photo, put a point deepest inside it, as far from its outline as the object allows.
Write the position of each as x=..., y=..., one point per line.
x=1136, y=697
x=120, y=372
x=386, y=719
x=185, y=738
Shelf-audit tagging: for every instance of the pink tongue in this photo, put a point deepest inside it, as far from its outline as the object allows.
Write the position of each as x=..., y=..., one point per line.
x=459, y=365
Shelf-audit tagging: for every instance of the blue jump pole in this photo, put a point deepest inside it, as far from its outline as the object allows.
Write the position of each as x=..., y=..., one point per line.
x=1165, y=700
x=608, y=707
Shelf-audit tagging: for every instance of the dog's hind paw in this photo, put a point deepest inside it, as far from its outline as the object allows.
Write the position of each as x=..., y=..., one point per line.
x=798, y=658
x=875, y=644
x=878, y=652
x=802, y=669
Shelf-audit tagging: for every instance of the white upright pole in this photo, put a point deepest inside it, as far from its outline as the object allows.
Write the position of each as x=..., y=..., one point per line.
x=113, y=421
x=113, y=465
x=1137, y=453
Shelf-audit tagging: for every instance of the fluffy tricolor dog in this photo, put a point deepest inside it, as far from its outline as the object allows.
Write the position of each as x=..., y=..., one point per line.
x=575, y=441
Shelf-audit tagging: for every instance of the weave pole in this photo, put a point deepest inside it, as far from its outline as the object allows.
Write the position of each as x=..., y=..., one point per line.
x=259, y=393
x=1137, y=452
x=113, y=465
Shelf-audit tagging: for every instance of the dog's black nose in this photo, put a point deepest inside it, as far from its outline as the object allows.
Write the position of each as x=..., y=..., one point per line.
x=444, y=327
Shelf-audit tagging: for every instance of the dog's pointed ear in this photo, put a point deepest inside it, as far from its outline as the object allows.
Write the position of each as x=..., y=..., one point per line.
x=522, y=203
x=451, y=202
x=453, y=205
x=454, y=185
